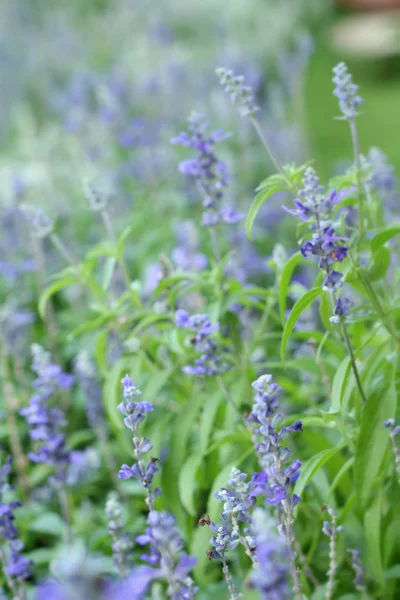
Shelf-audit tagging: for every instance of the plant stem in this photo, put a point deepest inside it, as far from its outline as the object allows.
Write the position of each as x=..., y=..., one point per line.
x=352, y=359
x=10, y=581
x=332, y=556
x=41, y=281
x=228, y=579
x=357, y=161
x=63, y=250
x=215, y=245
x=226, y=393
x=264, y=142
x=63, y=499
x=11, y=410
x=142, y=468
x=111, y=234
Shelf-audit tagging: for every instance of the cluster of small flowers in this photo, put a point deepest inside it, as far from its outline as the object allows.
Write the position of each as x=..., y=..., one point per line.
x=185, y=255
x=331, y=529
x=85, y=374
x=46, y=422
x=16, y=567
x=240, y=94
x=166, y=554
x=315, y=207
x=210, y=173
x=271, y=575
x=134, y=415
x=167, y=561
x=122, y=545
x=272, y=455
x=359, y=570
x=42, y=224
x=346, y=91
x=210, y=361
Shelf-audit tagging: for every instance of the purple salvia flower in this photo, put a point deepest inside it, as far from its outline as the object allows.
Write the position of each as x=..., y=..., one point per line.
x=46, y=421
x=359, y=571
x=210, y=362
x=134, y=415
x=210, y=173
x=14, y=564
x=85, y=373
x=166, y=554
x=122, y=544
x=240, y=94
x=238, y=504
x=346, y=91
x=263, y=421
x=331, y=529
x=315, y=207
x=272, y=569
x=224, y=539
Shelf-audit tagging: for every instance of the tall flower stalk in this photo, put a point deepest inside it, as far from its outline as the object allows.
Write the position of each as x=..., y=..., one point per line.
x=273, y=458
x=331, y=529
x=15, y=567
x=46, y=422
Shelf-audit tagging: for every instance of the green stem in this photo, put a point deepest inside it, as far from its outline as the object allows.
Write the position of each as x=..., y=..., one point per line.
x=268, y=148
x=352, y=359
x=111, y=234
x=357, y=161
x=226, y=393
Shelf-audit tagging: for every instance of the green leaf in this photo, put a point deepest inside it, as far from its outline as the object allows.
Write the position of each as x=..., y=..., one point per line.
x=187, y=482
x=326, y=311
x=270, y=186
x=339, y=385
x=102, y=249
x=284, y=282
x=379, y=264
x=300, y=306
x=90, y=325
x=384, y=236
x=53, y=289
x=108, y=272
x=122, y=240
x=372, y=528
x=49, y=523
x=310, y=467
x=373, y=439
x=100, y=351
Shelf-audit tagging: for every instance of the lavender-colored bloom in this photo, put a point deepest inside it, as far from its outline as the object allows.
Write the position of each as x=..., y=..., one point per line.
x=382, y=177
x=42, y=225
x=122, y=544
x=342, y=308
x=272, y=570
x=210, y=361
x=273, y=456
x=44, y=420
x=225, y=538
x=346, y=91
x=85, y=373
x=315, y=207
x=134, y=415
x=186, y=256
x=17, y=567
x=331, y=529
x=172, y=565
x=359, y=571
x=240, y=94
x=210, y=173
